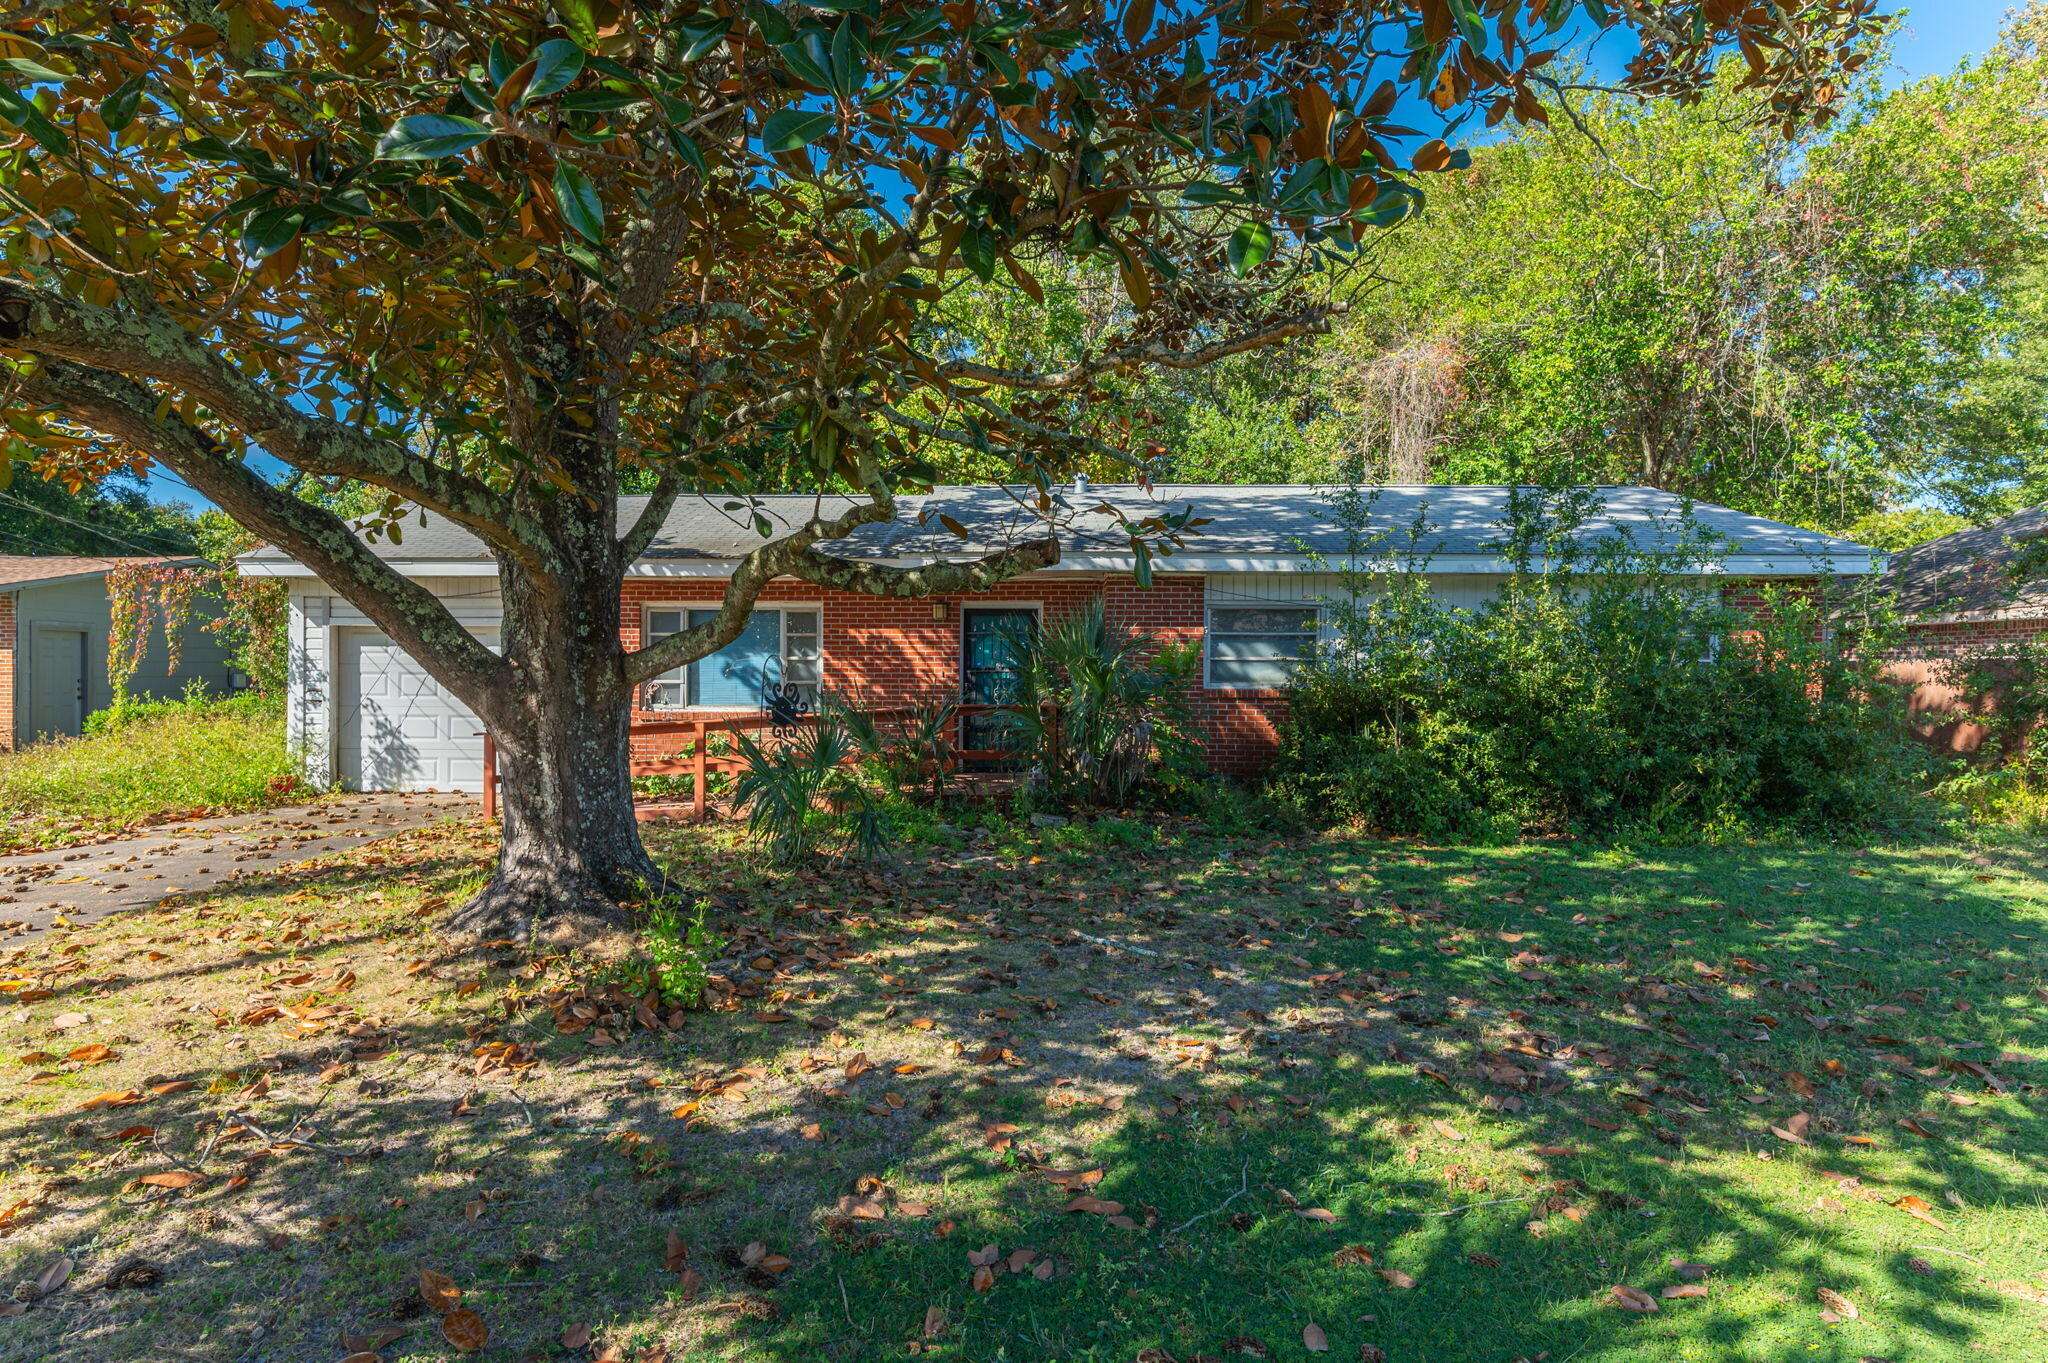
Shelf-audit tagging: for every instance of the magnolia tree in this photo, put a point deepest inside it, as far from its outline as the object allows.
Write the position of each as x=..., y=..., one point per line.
x=500, y=261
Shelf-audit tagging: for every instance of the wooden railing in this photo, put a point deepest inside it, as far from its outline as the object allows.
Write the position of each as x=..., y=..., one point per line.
x=697, y=760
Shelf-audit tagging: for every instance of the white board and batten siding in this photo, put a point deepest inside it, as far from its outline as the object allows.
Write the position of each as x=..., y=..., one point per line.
x=365, y=714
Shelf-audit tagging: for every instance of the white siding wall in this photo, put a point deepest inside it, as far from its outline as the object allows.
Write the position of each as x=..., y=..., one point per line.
x=314, y=615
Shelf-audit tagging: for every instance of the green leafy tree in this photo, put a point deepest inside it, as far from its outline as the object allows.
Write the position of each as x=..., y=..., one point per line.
x=497, y=260
x=110, y=518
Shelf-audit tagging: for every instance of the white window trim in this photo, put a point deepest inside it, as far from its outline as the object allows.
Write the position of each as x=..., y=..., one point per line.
x=1209, y=609
x=646, y=698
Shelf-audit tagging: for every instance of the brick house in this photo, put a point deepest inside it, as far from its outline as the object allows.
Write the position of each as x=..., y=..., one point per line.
x=1961, y=597
x=55, y=617
x=1249, y=587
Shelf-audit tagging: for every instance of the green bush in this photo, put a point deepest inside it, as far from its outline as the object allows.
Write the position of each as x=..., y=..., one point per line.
x=1608, y=690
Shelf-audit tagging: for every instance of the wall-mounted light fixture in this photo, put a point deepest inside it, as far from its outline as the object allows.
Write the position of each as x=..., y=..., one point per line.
x=938, y=610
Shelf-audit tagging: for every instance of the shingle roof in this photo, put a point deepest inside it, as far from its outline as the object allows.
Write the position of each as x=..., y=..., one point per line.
x=23, y=570
x=1964, y=573
x=1269, y=519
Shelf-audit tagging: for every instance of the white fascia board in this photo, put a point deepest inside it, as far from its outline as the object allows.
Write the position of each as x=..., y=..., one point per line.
x=455, y=567
x=1740, y=565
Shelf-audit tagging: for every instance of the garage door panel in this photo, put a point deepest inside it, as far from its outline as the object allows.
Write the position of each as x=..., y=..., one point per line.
x=399, y=728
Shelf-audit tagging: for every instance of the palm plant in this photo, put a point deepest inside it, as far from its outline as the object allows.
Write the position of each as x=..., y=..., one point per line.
x=795, y=792
x=1102, y=706
x=908, y=749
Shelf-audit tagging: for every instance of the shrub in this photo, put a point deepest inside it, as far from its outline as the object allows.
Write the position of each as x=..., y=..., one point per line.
x=799, y=792
x=681, y=952
x=1607, y=689
x=1102, y=709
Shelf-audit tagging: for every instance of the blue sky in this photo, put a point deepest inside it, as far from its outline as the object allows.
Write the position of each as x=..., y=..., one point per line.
x=1935, y=37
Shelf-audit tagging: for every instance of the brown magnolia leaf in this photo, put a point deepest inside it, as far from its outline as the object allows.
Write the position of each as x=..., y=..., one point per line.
x=811, y=1131
x=1395, y=1278
x=1795, y=1128
x=1691, y=1273
x=1099, y=1206
x=1921, y=1209
x=465, y=1329
x=1313, y=1339
x=1838, y=1306
x=984, y=1278
x=111, y=1098
x=1632, y=1299
x=686, y=1111
x=577, y=1336
x=1447, y=1131
x=133, y=1133
x=1353, y=1254
x=1315, y=1214
x=863, y=1209
x=54, y=1276
x=678, y=1254
x=1799, y=1083
x=365, y=1356
x=92, y=1055
x=175, y=1086
x=1684, y=1290
x=689, y=1282
x=934, y=1322
x=439, y=1291
x=176, y=1178
x=1913, y=1125
x=1557, y=1151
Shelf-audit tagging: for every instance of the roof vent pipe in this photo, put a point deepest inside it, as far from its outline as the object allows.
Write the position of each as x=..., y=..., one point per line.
x=1080, y=485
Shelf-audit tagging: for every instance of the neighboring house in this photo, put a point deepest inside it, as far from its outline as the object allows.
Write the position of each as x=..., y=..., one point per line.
x=1248, y=586
x=55, y=617
x=1960, y=595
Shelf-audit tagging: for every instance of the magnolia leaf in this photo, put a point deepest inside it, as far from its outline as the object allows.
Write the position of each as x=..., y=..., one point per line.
x=556, y=64
x=1249, y=246
x=581, y=209
x=429, y=137
x=794, y=128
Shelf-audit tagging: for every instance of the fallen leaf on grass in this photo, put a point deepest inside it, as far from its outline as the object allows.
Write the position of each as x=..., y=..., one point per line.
x=1684, y=1290
x=1395, y=1277
x=465, y=1329
x=111, y=1098
x=678, y=1254
x=1353, y=1254
x=1099, y=1206
x=55, y=1276
x=934, y=1322
x=1314, y=1340
x=176, y=1178
x=1447, y=1131
x=576, y=1336
x=439, y=1291
x=1632, y=1299
x=175, y=1086
x=1794, y=1129
x=1556, y=1151
x=1837, y=1307
x=1921, y=1209
x=1315, y=1214
x=863, y=1209
x=94, y=1054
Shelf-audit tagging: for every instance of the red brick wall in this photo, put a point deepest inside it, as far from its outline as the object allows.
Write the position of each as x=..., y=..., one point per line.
x=1918, y=660
x=7, y=631
x=885, y=652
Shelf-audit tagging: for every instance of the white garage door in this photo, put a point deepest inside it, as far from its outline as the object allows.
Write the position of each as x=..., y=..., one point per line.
x=400, y=729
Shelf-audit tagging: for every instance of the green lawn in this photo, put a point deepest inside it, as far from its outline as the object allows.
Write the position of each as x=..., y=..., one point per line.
x=194, y=760
x=1435, y=1102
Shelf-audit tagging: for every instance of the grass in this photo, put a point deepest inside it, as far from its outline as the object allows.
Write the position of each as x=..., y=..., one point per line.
x=1514, y=1078
x=182, y=759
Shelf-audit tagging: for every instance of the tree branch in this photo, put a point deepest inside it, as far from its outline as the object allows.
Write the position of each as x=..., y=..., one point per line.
x=121, y=409
x=156, y=347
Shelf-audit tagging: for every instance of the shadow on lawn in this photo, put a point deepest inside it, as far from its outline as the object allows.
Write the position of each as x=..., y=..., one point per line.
x=1296, y=1098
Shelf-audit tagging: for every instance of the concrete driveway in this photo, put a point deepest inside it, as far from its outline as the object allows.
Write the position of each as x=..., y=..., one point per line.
x=88, y=883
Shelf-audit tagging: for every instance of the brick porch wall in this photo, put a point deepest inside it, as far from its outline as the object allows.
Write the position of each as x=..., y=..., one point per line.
x=884, y=652
x=7, y=633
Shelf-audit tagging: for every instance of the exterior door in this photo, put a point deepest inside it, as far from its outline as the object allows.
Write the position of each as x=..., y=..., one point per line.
x=993, y=647
x=56, y=685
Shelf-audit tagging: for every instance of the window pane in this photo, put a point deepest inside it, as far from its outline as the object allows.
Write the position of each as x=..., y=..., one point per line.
x=1274, y=672
x=661, y=624
x=736, y=676
x=800, y=622
x=1260, y=646
x=665, y=695
x=1263, y=620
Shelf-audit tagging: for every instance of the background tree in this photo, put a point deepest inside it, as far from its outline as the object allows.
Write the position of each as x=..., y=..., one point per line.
x=109, y=518
x=492, y=259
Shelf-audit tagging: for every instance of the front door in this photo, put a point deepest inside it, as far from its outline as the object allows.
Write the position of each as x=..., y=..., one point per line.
x=994, y=645
x=56, y=684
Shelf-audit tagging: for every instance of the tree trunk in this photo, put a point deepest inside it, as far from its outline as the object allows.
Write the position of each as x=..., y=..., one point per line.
x=571, y=850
